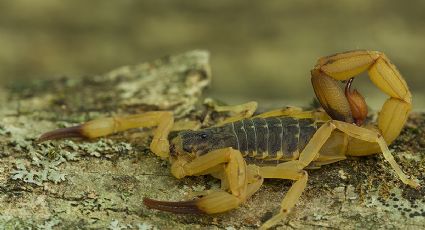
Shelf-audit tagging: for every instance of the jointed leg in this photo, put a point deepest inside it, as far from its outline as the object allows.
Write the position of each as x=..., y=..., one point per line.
x=105, y=126
x=235, y=169
x=186, y=125
x=242, y=181
x=296, y=113
x=293, y=194
x=254, y=179
x=287, y=111
x=238, y=112
x=221, y=201
x=309, y=152
x=374, y=137
x=293, y=170
x=235, y=173
x=247, y=110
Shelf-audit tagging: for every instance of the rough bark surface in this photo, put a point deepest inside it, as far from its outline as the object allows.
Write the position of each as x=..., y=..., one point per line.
x=101, y=183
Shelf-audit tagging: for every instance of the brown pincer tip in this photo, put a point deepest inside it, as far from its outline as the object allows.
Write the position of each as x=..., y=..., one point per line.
x=178, y=207
x=75, y=131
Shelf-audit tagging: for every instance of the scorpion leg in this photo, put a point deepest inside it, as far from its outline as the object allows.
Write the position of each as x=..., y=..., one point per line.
x=356, y=132
x=296, y=113
x=186, y=125
x=104, y=126
x=241, y=181
x=294, y=170
x=293, y=194
x=374, y=137
x=255, y=180
x=238, y=112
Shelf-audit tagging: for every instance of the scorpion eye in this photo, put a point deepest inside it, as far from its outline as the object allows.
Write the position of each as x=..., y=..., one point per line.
x=203, y=135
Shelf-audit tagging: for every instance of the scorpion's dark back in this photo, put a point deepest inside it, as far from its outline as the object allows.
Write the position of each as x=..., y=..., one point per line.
x=263, y=140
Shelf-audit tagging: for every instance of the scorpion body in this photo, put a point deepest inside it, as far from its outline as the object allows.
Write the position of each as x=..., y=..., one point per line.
x=261, y=141
x=241, y=151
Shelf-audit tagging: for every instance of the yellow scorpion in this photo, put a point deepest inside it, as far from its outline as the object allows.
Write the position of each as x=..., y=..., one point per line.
x=243, y=150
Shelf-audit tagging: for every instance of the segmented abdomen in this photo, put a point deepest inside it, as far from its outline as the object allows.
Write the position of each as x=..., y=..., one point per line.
x=274, y=138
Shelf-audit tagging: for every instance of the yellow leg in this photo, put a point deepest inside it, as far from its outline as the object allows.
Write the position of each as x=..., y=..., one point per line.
x=235, y=169
x=294, y=169
x=383, y=74
x=220, y=201
x=255, y=180
x=242, y=182
x=247, y=110
x=104, y=126
x=323, y=133
x=296, y=113
x=238, y=112
x=374, y=137
x=291, y=197
x=186, y=125
x=288, y=111
x=324, y=160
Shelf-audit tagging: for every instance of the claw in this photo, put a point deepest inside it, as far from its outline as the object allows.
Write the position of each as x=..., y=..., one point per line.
x=182, y=207
x=357, y=103
x=91, y=129
x=75, y=131
x=214, y=202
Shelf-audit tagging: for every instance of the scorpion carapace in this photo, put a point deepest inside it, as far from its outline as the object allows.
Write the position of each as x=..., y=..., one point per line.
x=275, y=139
x=241, y=151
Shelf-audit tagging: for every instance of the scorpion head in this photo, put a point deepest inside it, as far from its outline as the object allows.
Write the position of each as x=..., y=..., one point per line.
x=199, y=142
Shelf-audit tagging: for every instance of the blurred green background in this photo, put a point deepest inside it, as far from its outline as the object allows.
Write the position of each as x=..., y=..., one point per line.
x=261, y=50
